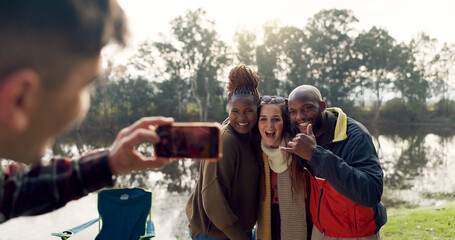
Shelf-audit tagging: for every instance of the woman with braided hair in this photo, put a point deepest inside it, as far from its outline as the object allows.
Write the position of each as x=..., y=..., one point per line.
x=224, y=202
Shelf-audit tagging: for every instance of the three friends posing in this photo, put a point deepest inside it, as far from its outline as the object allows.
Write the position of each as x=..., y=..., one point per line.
x=302, y=143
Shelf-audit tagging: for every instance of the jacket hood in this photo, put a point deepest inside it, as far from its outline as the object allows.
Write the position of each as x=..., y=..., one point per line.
x=341, y=126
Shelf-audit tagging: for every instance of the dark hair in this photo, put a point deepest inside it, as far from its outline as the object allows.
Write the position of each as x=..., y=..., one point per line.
x=297, y=173
x=242, y=80
x=52, y=36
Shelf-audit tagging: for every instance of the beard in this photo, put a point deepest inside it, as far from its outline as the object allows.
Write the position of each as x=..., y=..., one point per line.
x=316, y=123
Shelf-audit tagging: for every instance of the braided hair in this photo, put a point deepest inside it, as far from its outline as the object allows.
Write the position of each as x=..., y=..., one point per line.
x=242, y=80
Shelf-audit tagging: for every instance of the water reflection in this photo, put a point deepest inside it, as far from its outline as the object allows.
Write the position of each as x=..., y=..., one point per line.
x=418, y=163
x=410, y=157
x=407, y=154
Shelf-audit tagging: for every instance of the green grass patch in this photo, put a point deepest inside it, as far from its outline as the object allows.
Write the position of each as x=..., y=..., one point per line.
x=420, y=223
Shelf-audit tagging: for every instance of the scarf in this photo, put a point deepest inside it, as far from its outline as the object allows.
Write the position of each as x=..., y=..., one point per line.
x=278, y=160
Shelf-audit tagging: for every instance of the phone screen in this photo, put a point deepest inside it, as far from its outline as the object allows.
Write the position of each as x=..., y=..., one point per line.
x=200, y=142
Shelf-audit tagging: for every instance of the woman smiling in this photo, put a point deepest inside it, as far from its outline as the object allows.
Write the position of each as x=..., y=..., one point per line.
x=282, y=212
x=224, y=203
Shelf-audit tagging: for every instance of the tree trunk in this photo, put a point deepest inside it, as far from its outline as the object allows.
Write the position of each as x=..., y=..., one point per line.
x=196, y=96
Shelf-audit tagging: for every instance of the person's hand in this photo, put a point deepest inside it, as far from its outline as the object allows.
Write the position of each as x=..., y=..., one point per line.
x=303, y=144
x=123, y=157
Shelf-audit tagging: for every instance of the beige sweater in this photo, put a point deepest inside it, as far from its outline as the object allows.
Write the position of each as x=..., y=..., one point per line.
x=292, y=208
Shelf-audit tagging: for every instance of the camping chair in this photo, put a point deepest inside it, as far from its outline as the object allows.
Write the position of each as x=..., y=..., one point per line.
x=123, y=216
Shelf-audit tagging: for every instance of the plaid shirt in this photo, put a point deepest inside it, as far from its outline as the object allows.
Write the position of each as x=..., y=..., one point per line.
x=41, y=188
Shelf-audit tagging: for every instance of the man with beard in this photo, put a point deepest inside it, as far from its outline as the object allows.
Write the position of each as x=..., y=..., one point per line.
x=346, y=177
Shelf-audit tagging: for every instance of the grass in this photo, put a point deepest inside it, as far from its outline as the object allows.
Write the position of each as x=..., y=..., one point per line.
x=420, y=223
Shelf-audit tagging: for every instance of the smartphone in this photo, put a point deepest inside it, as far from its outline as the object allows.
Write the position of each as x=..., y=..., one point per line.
x=195, y=140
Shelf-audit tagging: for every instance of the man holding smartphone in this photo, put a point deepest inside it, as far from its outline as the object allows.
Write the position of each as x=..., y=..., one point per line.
x=49, y=58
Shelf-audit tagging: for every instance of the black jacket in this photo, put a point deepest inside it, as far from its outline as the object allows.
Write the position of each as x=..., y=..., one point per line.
x=346, y=182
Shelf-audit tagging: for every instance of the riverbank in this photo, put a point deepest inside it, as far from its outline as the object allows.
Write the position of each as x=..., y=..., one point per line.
x=432, y=222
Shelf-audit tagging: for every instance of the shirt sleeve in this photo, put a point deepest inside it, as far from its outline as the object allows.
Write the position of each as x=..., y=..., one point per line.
x=41, y=188
x=357, y=174
x=216, y=189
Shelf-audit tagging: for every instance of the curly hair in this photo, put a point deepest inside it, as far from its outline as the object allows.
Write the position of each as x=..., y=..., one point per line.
x=242, y=80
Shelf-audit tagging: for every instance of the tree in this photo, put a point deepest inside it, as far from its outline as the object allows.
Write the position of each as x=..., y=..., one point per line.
x=375, y=50
x=98, y=114
x=246, y=48
x=413, y=88
x=196, y=54
x=330, y=53
x=267, y=55
x=443, y=63
x=294, y=60
x=424, y=52
x=141, y=95
x=101, y=113
x=174, y=90
x=143, y=60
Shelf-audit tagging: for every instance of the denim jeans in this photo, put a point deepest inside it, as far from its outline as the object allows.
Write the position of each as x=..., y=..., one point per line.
x=201, y=236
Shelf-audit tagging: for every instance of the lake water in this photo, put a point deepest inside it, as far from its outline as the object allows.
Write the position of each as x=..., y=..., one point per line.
x=418, y=162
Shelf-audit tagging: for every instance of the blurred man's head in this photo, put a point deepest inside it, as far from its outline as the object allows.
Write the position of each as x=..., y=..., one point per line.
x=306, y=106
x=49, y=56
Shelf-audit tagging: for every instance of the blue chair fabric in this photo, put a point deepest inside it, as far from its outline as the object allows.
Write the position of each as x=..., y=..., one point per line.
x=123, y=216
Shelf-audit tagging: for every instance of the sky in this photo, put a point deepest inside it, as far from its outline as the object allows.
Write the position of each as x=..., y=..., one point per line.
x=402, y=18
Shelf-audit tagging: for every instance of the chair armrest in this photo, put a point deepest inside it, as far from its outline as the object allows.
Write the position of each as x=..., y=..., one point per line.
x=70, y=232
x=149, y=231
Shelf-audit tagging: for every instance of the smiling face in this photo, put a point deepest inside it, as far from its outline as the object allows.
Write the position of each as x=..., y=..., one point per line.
x=270, y=125
x=306, y=109
x=242, y=113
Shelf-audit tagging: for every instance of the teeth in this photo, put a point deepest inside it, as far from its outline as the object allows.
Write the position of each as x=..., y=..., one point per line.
x=243, y=124
x=304, y=124
x=269, y=133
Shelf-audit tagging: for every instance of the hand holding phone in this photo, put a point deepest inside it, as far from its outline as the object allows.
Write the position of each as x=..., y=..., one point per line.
x=197, y=140
x=123, y=155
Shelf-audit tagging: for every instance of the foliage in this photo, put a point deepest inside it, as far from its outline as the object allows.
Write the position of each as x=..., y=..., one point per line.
x=267, y=59
x=246, y=47
x=120, y=103
x=332, y=61
x=195, y=54
x=358, y=113
x=294, y=60
x=444, y=108
x=180, y=75
x=395, y=110
x=377, y=56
